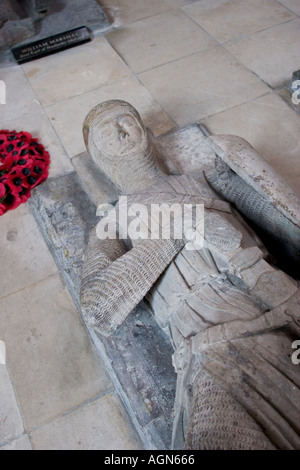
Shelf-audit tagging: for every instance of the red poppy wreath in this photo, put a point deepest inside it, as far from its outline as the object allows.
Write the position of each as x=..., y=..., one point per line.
x=24, y=163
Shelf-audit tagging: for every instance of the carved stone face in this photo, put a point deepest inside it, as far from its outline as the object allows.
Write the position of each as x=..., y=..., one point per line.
x=119, y=145
x=119, y=135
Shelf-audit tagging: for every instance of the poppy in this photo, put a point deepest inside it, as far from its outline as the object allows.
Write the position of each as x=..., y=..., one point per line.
x=24, y=164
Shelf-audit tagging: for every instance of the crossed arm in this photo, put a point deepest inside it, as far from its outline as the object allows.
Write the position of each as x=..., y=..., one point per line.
x=114, y=280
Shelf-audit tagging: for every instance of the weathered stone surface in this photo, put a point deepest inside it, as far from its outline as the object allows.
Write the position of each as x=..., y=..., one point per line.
x=93, y=181
x=6, y=13
x=186, y=150
x=16, y=31
x=38, y=6
x=66, y=216
x=138, y=357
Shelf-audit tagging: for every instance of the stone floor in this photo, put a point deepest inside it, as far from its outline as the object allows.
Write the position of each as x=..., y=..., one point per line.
x=223, y=63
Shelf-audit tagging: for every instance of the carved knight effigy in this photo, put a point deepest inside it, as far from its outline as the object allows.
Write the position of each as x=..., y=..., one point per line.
x=231, y=314
x=18, y=20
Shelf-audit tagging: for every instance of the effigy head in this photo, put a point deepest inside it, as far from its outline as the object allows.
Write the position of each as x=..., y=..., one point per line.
x=118, y=143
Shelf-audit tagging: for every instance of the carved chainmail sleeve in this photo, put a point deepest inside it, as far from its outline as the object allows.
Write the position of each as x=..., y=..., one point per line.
x=115, y=281
x=254, y=206
x=211, y=429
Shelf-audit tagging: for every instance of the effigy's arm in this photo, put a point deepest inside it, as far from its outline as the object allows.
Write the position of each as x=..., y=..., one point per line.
x=276, y=292
x=114, y=280
x=244, y=179
x=285, y=315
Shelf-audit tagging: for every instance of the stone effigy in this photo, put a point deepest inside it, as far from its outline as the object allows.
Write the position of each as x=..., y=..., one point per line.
x=231, y=315
x=18, y=20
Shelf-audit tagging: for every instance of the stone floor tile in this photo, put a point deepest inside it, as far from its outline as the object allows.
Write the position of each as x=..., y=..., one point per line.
x=128, y=11
x=25, y=258
x=67, y=117
x=22, y=443
x=39, y=126
x=145, y=44
x=293, y=5
x=270, y=126
x=52, y=361
x=202, y=84
x=229, y=19
x=20, y=97
x=70, y=73
x=11, y=424
x=100, y=425
x=272, y=54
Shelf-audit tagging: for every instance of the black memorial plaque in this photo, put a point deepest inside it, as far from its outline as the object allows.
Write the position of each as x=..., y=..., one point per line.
x=51, y=45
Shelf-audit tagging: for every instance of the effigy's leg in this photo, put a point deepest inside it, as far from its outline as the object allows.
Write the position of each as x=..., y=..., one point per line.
x=207, y=417
x=218, y=422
